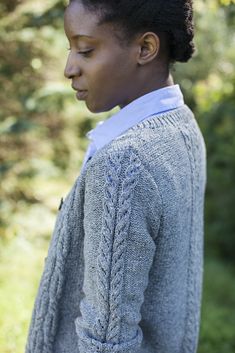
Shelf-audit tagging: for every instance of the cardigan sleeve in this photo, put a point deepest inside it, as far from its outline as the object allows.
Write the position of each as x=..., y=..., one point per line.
x=122, y=210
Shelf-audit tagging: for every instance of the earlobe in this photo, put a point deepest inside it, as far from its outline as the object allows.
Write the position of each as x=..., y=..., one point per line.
x=149, y=46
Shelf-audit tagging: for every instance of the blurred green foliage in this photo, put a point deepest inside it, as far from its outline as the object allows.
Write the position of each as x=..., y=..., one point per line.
x=42, y=145
x=208, y=83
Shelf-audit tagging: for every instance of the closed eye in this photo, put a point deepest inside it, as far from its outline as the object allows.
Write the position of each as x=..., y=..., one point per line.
x=82, y=52
x=85, y=52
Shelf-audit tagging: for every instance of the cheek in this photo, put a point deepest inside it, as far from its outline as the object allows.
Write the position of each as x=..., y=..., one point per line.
x=108, y=70
x=102, y=89
x=108, y=81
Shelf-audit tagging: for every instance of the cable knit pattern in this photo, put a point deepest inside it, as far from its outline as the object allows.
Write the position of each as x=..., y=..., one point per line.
x=104, y=260
x=124, y=270
x=111, y=253
x=110, y=268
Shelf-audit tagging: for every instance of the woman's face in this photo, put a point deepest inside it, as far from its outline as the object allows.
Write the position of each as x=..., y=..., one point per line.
x=97, y=64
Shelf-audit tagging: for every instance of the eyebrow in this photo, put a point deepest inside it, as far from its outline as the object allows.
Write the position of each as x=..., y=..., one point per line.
x=80, y=36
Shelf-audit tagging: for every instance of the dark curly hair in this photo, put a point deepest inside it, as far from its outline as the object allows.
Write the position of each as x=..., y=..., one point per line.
x=172, y=17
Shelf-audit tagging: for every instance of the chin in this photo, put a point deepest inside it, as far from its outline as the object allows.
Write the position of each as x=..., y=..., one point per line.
x=99, y=108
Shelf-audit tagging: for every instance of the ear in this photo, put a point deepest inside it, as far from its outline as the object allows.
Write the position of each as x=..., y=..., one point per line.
x=149, y=46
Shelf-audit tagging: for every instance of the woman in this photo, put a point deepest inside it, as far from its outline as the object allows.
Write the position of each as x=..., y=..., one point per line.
x=125, y=264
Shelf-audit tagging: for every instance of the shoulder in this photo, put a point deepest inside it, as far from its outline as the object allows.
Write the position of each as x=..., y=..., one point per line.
x=120, y=153
x=114, y=164
x=120, y=166
x=153, y=145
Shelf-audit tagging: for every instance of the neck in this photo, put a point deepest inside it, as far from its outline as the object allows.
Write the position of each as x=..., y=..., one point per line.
x=152, y=84
x=156, y=83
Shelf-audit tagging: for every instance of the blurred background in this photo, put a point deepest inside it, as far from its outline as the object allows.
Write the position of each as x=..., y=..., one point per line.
x=42, y=145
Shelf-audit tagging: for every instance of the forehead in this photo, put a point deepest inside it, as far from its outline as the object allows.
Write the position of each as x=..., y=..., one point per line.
x=80, y=21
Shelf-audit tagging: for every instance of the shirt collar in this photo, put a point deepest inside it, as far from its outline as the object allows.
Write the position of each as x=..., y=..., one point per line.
x=155, y=102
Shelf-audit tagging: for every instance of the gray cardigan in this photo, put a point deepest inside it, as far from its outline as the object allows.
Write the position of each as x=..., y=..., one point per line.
x=124, y=269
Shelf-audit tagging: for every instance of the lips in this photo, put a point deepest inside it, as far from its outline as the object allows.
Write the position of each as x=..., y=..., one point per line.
x=81, y=93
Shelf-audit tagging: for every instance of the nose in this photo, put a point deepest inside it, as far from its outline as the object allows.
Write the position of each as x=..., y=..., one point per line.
x=71, y=68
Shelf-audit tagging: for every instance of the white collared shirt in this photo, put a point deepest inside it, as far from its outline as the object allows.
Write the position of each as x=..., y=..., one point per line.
x=153, y=103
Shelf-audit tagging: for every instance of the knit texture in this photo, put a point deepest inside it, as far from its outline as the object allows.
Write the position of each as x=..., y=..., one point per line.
x=124, y=269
